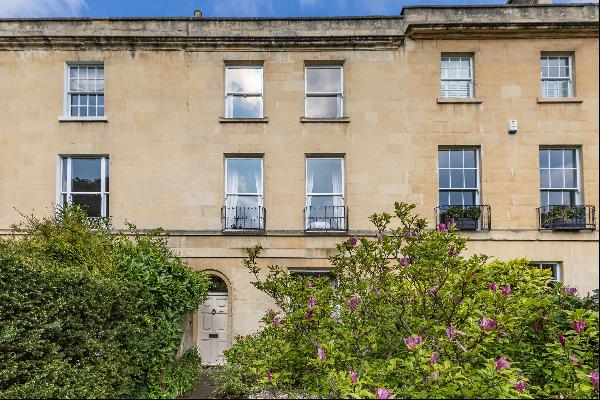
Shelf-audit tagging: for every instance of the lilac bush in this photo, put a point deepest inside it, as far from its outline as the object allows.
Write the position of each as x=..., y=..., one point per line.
x=411, y=316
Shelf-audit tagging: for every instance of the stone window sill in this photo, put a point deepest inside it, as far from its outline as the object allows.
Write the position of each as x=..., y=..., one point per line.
x=250, y=120
x=472, y=100
x=344, y=120
x=63, y=118
x=542, y=100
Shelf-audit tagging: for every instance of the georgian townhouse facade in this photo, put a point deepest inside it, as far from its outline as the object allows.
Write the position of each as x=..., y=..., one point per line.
x=289, y=133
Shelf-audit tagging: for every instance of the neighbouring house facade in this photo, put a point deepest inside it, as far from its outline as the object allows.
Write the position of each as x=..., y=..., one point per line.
x=289, y=133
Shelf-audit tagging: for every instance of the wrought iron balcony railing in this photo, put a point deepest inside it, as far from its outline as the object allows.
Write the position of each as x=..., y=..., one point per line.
x=326, y=218
x=567, y=218
x=239, y=218
x=465, y=218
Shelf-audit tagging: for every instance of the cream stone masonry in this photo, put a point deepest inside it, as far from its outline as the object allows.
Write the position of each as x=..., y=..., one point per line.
x=167, y=143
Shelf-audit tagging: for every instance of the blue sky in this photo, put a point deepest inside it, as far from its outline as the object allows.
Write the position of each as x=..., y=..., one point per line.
x=217, y=8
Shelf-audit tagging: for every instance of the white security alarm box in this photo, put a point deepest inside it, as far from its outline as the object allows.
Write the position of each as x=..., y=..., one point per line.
x=512, y=126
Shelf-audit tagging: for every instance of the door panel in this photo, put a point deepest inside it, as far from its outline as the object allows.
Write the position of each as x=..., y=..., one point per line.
x=213, y=336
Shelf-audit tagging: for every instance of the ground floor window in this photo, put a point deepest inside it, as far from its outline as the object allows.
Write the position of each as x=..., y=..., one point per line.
x=84, y=182
x=554, y=267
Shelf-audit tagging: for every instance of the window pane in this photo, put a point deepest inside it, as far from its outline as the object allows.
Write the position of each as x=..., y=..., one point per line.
x=470, y=158
x=323, y=107
x=323, y=79
x=469, y=198
x=555, y=198
x=456, y=158
x=64, y=171
x=556, y=158
x=570, y=178
x=85, y=175
x=244, y=107
x=544, y=154
x=444, y=198
x=244, y=80
x=457, y=178
x=544, y=178
x=556, y=178
x=444, y=158
x=444, y=178
x=455, y=89
x=456, y=198
x=569, y=155
x=244, y=175
x=92, y=203
x=544, y=198
x=324, y=175
x=470, y=178
x=107, y=173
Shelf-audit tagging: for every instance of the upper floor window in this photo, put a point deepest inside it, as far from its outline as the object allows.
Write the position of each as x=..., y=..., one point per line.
x=85, y=90
x=243, y=194
x=559, y=177
x=243, y=92
x=557, y=76
x=457, y=76
x=458, y=177
x=324, y=92
x=325, y=208
x=84, y=182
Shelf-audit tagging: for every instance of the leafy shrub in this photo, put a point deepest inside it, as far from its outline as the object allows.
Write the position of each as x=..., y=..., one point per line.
x=180, y=376
x=411, y=317
x=85, y=312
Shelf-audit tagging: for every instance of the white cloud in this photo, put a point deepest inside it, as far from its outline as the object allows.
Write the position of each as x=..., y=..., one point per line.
x=41, y=8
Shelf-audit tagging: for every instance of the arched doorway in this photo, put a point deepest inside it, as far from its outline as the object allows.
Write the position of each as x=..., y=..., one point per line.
x=213, y=322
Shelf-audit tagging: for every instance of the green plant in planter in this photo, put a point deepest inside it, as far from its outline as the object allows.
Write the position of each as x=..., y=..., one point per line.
x=458, y=212
x=578, y=212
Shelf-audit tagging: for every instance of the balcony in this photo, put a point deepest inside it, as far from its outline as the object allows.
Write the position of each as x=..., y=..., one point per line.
x=326, y=218
x=465, y=218
x=566, y=218
x=240, y=218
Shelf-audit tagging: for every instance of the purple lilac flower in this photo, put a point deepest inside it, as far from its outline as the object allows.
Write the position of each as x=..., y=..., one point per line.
x=452, y=252
x=412, y=342
x=270, y=376
x=277, y=321
x=570, y=291
x=310, y=284
x=502, y=362
x=594, y=377
x=506, y=290
x=353, y=302
x=450, y=332
x=433, y=358
x=320, y=353
x=309, y=314
x=578, y=326
x=520, y=386
x=312, y=302
x=295, y=327
x=385, y=394
x=493, y=286
x=488, y=324
x=562, y=340
x=353, y=376
x=404, y=262
x=573, y=359
x=353, y=240
x=443, y=227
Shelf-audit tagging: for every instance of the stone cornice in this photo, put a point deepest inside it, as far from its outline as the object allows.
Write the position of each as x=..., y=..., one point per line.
x=506, y=30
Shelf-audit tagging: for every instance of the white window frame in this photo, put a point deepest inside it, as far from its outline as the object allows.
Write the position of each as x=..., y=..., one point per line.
x=576, y=189
x=471, y=79
x=262, y=179
x=569, y=80
x=555, y=265
x=228, y=95
x=339, y=95
x=465, y=189
x=316, y=194
x=69, y=193
x=67, y=91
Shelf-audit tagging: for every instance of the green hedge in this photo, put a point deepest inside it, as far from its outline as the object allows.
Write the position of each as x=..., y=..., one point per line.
x=85, y=312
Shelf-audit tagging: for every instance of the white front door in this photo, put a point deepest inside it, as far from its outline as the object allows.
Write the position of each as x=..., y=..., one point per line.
x=212, y=328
